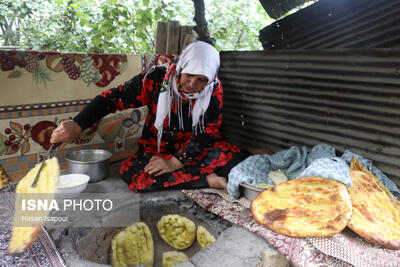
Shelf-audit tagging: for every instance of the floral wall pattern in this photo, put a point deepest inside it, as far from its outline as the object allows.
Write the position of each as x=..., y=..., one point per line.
x=23, y=136
x=39, y=90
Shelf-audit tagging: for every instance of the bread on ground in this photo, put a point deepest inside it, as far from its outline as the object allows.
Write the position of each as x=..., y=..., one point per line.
x=304, y=207
x=376, y=212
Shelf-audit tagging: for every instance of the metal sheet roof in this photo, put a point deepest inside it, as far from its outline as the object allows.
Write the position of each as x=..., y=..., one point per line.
x=278, y=8
x=337, y=24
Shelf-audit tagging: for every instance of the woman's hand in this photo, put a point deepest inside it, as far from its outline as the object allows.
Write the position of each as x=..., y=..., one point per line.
x=158, y=166
x=65, y=133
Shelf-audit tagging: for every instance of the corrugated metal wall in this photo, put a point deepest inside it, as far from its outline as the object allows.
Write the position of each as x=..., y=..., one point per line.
x=349, y=99
x=337, y=24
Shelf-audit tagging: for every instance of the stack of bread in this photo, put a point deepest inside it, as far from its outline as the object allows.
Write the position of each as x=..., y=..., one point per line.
x=315, y=207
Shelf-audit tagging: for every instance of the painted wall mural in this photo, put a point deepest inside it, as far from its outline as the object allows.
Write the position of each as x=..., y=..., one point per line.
x=99, y=69
x=39, y=90
x=23, y=136
x=52, y=77
x=24, y=140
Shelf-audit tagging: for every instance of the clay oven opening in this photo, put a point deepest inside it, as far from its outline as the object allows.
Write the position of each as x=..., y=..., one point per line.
x=94, y=244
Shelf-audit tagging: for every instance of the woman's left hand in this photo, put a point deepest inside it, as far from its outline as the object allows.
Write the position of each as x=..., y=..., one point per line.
x=158, y=166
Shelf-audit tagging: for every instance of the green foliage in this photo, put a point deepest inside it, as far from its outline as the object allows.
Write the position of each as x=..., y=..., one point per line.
x=12, y=25
x=122, y=26
x=236, y=24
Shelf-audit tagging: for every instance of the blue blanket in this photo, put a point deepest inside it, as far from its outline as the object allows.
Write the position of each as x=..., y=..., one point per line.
x=320, y=161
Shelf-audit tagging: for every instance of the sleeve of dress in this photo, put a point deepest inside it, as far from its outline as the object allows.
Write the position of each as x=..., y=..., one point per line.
x=196, y=144
x=131, y=94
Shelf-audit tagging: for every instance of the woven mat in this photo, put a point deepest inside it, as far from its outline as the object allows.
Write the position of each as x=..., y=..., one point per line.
x=41, y=253
x=343, y=249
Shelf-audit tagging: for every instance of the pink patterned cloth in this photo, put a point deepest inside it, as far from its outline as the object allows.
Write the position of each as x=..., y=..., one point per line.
x=343, y=249
x=352, y=248
x=41, y=253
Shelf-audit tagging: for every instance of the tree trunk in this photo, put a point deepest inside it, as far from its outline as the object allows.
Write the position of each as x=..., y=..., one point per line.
x=201, y=24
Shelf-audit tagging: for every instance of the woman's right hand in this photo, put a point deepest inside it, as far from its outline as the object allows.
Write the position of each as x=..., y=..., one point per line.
x=65, y=133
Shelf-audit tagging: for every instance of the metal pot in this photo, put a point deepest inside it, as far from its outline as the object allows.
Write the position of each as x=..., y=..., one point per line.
x=92, y=162
x=250, y=191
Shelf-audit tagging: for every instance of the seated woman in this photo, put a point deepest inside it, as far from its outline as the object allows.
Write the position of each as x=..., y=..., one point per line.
x=181, y=144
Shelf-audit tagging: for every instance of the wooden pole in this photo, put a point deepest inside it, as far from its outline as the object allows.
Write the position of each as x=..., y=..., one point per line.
x=161, y=38
x=173, y=37
x=189, y=38
x=183, y=40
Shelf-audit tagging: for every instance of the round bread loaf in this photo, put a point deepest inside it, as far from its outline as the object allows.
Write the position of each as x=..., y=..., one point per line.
x=304, y=207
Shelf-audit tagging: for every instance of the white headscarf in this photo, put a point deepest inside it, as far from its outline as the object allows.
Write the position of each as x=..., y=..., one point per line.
x=198, y=58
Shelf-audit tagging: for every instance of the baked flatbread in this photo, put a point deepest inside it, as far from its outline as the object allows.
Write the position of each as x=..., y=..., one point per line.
x=357, y=166
x=376, y=212
x=304, y=207
x=23, y=237
x=133, y=246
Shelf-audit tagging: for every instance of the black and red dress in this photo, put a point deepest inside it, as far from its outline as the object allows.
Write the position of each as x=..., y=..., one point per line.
x=201, y=154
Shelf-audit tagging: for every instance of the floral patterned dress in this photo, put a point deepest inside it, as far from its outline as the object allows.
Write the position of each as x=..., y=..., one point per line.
x=201, y=154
